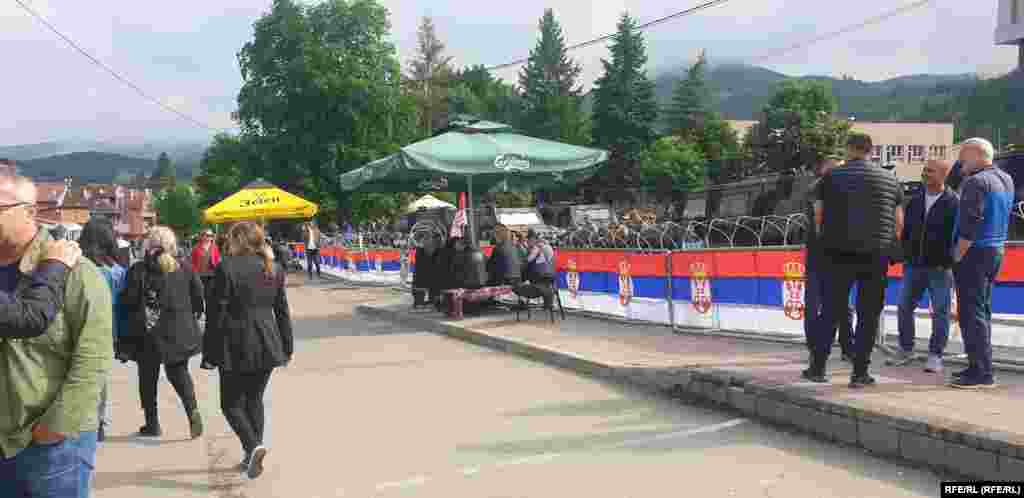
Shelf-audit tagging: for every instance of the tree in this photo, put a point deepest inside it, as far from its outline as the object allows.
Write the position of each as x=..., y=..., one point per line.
x=691, y=100
x=178, y=208
x=549, y=86
x=675, y=160
x=321, y=95
x=164, y=175
x=624, y=107
x=799, y=128
x=430, y=77
x=221, y=169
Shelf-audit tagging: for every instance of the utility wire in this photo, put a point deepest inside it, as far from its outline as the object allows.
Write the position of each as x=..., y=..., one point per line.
x=594, y=41
x=871, y=21
x=112, y=72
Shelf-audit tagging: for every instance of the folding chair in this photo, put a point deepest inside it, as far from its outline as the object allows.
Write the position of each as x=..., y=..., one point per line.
x=528, y=294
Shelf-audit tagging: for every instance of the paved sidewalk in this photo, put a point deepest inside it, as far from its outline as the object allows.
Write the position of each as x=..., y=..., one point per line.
x=910, y=414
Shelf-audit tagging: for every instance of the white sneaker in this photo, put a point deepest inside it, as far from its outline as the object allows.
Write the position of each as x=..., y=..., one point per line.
x=934, y=364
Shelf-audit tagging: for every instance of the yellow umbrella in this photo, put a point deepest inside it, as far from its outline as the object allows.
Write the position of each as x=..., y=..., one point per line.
x=260, y=201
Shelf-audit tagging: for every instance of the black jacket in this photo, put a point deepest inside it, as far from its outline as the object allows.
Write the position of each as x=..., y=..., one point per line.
x=175, y=337
x=860, y=202
x=249, y=327
x=930, y=242
x=506, y=264
x=28, y=313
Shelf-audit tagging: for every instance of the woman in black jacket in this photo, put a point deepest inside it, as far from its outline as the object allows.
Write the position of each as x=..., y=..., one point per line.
x=249, y=333
x=162, y=298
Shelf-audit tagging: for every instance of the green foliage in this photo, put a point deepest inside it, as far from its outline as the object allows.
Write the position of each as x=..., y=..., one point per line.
x=804, y=100
x=321, y=95
x=550, y=89
x=799, y=129
x=430, y=78
x=625, y=111
x=674, y=159
x=178, y=208
x=164, y=169
x=221, y=169
x=691, y=100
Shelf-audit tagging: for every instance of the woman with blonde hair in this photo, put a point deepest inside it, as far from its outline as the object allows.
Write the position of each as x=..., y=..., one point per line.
x=162, y=298
x=248, y=334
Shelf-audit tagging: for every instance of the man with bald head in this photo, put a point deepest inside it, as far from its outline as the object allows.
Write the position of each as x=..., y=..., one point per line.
x=49, y=383
x=930, y=231
x=986, y=199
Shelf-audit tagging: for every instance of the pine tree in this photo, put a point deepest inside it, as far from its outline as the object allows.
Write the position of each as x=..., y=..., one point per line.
x=625, y=111
x=550, y=91
x=691, y=100
x=429, y=78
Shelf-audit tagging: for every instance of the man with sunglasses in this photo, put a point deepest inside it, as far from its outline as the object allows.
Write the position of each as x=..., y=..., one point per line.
x=50, y=382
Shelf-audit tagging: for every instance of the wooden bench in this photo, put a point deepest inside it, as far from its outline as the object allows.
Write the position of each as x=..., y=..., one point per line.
x=456, y=297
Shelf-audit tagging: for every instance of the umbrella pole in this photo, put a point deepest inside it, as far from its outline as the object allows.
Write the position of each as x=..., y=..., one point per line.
x=471, y=213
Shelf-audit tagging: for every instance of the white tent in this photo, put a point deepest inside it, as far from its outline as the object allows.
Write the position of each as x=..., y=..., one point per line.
x=427, y=202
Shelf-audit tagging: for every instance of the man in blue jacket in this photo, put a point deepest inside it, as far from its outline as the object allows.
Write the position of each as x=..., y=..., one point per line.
x=929, y=241
x=986, y=200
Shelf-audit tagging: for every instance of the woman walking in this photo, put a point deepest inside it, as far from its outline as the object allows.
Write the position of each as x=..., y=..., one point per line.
x=162, y=299
x=100, y=245
x=249, y=333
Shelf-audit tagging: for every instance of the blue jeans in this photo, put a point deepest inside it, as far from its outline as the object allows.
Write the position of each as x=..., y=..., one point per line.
x=975, y=277
x=939, y=282
x=814, y=303
x=62, y=470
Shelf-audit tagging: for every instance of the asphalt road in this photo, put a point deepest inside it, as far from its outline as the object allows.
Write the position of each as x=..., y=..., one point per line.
x=371, y=409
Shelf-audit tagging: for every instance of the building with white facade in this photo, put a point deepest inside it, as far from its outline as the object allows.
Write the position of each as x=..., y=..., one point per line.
x=904, y=145
x=1010, y=26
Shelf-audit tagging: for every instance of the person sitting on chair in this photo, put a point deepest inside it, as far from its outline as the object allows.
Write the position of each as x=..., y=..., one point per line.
x=505, y=266
x=540, y=266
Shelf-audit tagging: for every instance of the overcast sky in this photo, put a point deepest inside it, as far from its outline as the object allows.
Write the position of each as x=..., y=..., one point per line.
x=184, y=51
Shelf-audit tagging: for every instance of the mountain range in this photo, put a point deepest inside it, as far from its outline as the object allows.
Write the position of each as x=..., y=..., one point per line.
x=741, y=91
x=97, y=167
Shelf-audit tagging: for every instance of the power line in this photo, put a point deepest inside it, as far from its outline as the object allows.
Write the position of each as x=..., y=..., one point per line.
x=642, y=27
x=113, y=73
x=871, y=21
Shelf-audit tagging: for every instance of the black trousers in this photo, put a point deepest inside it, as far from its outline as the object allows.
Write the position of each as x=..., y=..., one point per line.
x=313, y=258
x=241, y=400
x=869, y=272
x=177, y=375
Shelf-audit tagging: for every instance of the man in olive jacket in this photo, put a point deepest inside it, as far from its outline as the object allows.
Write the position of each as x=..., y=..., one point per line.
x=49, y=384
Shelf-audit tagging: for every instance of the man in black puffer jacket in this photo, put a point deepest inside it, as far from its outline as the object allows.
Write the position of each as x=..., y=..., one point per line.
x=858, y=209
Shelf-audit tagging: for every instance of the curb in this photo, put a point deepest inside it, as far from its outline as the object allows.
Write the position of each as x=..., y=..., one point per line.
x=962, y=449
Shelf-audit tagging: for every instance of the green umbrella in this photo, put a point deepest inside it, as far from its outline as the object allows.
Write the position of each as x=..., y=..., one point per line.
x=477, y=155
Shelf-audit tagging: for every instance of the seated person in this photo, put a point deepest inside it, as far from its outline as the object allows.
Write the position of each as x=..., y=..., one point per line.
x=540, y=266
x=505, y=265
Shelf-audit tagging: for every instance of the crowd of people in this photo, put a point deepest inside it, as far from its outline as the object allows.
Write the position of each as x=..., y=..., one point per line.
x=68, y=309
x=525, y=262
x=950, y=242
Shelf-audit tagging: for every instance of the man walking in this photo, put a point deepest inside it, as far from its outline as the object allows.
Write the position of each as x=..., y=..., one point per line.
x=311, y=238
x=986, y=199
x=817, y=275
x=50, y=384
x=929, y=240
x=859, y=214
